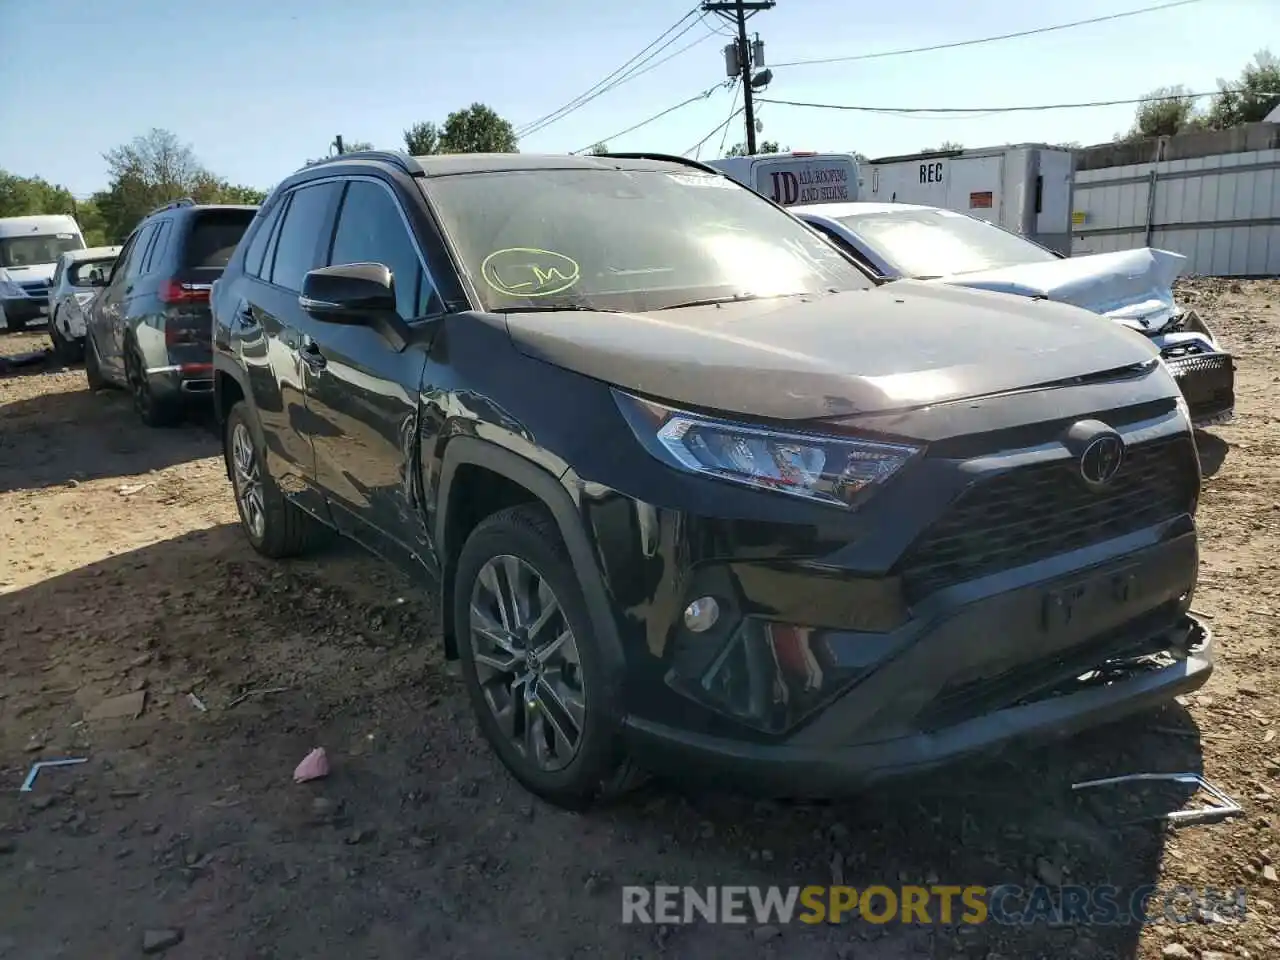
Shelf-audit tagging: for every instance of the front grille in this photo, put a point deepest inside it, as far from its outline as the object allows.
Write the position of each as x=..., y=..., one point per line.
x=1202, y=363
x=35, y=289
x=1035, y=512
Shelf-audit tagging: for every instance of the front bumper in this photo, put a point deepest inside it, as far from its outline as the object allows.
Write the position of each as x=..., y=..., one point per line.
x=19, y=311
x=974, y=671
x=840, y=768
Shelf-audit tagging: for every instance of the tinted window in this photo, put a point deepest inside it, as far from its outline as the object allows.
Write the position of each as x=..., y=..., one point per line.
x=371, y=230
x=629, y=239
x=941, y=243
x=155, y=256
x=133, y=266
x=299, y=247
x=214, y=236
x=258, y=245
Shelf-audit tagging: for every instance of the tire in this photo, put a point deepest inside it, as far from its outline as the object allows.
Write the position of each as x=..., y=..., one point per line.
x=596, y=767
x=66, y=351
x=92, y=368
x=286, y=529
x=151, y=410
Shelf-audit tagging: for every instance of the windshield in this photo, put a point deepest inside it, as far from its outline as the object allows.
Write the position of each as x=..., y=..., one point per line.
x=36, y=249
x=629, y=240
x=80, y=273
x=941, y=243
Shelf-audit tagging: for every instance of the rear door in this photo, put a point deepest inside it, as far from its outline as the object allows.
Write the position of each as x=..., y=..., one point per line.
x=267, y=329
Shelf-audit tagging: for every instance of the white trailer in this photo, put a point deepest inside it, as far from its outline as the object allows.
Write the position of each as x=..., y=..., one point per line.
x=1025, y=188
x=796, y=178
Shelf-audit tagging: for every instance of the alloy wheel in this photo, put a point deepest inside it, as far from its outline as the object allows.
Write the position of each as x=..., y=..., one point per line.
x=527, y=662
x=248, y=481
x=139, y=389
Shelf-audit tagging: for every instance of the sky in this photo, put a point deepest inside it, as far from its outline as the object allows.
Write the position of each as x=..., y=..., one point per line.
x=257, y=87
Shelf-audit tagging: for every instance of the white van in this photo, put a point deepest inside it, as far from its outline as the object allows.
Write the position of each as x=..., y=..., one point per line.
x=796, y=178
x=29, y=252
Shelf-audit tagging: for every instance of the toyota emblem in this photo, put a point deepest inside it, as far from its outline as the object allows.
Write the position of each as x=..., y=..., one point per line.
x=1101, y=460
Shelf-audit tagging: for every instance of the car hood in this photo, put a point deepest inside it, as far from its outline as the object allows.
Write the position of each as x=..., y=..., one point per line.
x=893, y=347
x=1133, y=287
x=36, y=271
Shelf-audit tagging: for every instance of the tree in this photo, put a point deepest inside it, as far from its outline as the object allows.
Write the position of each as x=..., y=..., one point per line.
x=422, y=139
x=598, y=149
x=154, y=169
x=946, y=146
x=24, y=196
x=1165, y=112
x=767, y=146
x=1251, y=98
x=477, y=129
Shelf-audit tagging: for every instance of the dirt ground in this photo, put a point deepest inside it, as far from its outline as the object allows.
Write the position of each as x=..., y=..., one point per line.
x=122, y=573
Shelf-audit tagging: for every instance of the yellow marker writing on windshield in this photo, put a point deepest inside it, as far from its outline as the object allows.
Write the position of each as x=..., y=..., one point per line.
x=529, y=272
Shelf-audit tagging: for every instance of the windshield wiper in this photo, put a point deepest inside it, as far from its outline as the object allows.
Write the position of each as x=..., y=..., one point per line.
x=548, y=308
x=737, y=298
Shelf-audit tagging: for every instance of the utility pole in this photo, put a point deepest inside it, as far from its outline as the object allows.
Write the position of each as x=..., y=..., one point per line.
x=738, y=12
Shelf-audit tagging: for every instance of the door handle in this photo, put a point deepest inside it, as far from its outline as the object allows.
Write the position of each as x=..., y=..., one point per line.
x=311, y=356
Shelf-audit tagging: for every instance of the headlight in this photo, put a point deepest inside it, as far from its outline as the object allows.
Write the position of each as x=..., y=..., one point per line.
x=827, y=469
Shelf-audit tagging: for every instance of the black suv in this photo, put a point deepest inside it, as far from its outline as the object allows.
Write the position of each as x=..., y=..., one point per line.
x=148, y=330
x=699, y=494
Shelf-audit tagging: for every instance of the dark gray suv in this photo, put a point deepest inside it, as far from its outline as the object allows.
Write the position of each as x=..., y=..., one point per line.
x=148, y=330
x=697, y=493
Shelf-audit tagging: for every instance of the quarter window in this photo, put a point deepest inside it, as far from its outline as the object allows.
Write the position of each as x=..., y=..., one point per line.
x=133, y=267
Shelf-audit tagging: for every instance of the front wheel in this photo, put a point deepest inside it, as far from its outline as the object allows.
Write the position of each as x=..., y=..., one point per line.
x=540, y=687
x=275, y=527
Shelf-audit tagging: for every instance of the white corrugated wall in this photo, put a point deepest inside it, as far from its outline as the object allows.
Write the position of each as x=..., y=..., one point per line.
x=1222, y=212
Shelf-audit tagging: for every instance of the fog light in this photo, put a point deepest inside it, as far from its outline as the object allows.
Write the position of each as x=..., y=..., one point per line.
x=701, y=615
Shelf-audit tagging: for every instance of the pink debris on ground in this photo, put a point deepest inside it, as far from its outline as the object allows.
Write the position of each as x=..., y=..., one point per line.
x=314, y=766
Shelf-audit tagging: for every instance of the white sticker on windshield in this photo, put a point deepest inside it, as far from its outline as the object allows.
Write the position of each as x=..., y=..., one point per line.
x=64, y=236
x=703, y=180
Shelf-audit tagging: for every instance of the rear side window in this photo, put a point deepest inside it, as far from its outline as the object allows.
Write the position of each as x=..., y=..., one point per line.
x=258, y=245
x=214, y=236
x=155, y=255
x=300, y=247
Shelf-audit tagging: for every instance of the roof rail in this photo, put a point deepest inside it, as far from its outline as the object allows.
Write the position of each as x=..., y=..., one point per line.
x=669, y=157
x=402, y=160
x=184, y=202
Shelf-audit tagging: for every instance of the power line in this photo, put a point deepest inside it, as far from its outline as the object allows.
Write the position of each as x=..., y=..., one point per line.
x=636, y=73
x=664, y=40
x=995, y=110
x=658, y=116
x=993, y=39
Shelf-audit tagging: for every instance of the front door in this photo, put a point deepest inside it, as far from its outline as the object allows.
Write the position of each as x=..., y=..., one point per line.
x=363, y=394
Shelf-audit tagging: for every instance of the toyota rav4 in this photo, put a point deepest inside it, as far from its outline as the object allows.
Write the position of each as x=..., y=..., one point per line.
x=698, y=494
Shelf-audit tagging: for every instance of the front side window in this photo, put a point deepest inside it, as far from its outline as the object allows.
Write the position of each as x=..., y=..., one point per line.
x=37, y=249
x=371, y=230
x=941, y=243
x=634, y=240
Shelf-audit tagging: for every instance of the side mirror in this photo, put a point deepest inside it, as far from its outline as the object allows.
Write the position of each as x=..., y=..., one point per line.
x=355, y=294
